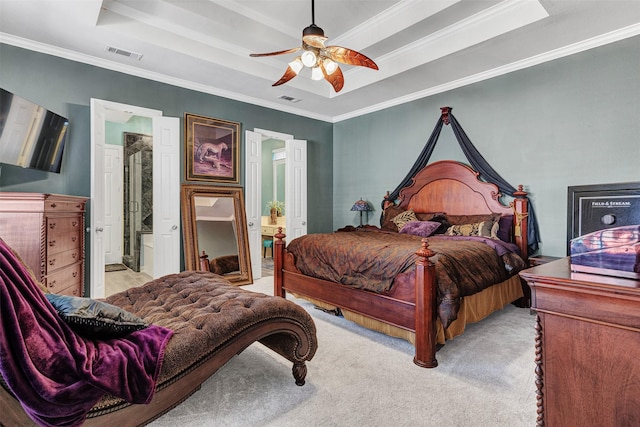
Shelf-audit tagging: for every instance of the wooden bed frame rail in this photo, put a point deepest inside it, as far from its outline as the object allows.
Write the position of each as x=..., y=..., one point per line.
x=419, y=317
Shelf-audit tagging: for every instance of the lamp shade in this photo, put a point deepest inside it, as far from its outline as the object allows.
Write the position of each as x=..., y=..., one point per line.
x=361, y=206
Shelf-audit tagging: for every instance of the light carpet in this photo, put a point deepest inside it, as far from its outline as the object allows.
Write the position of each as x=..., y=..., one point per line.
x=363, y=378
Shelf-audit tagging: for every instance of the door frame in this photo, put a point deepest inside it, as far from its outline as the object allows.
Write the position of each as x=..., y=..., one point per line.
x=255, y=237
x=98, y=120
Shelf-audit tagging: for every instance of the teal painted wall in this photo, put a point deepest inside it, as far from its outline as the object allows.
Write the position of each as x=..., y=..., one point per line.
x=572, y=121
x=114, y=131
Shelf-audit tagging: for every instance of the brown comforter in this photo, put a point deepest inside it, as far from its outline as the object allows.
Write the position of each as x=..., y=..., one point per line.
x=371, y=260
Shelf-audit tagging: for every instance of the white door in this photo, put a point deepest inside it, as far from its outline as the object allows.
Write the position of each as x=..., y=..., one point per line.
x=113, y=204
x=296, y=188
x=100, y=110
x=253, y=199
x=96, y=237
x=166, y=196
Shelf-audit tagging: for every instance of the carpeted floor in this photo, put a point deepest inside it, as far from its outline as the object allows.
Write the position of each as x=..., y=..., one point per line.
x=363, y=378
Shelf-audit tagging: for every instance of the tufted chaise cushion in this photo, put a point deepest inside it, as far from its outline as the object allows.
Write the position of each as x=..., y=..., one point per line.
x=205, y=311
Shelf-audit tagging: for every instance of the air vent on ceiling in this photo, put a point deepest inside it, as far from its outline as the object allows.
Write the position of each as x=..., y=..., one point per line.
x=123, y=52
x=289, y=98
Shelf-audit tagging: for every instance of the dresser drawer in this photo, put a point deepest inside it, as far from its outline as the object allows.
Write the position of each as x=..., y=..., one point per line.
x=65, y=278
x=73, y=290
x=63, y=224
x=62, y=259
x=60, y=242
x=52, y=206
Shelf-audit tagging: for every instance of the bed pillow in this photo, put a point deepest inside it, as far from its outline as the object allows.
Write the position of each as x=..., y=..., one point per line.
x=386, y=223
x=402, y=219
x=504, y=228
x=95, y=319
x=480, y=229
x=420, y=228
x=471, y=219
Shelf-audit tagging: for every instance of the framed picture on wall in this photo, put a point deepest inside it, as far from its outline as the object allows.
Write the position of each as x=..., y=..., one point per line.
x=212, y=149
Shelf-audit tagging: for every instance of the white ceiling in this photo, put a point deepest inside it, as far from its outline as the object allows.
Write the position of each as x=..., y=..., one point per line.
x=422, y=47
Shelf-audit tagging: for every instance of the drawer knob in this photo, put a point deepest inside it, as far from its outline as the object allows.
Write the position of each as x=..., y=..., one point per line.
x=74, y=274
x=74, y=255
x=52, y=261
x=54, y=205
x=52, y=284
x=74, y=223
x=52, y=243
x=74, y=238
x=52, y=225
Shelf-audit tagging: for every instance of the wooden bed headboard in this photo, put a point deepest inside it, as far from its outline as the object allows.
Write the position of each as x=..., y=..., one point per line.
x=454, y=188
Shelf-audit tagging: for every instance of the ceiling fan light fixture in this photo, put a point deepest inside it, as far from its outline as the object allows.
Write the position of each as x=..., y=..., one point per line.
x=329, y=66
x=296, y=65
x=313, y=30
x=316, y=73
x=323, y=60
x=309, y=58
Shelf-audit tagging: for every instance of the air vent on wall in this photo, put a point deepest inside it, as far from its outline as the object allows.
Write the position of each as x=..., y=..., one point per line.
x=289, y=98
x=123, y=52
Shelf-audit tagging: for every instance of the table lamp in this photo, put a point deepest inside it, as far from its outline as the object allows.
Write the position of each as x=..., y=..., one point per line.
x=361, y=206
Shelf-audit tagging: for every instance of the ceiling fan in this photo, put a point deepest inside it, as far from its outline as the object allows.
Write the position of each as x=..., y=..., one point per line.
x=320, y=58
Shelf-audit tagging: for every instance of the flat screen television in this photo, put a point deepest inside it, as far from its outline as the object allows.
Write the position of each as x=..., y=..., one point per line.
x=30, y=135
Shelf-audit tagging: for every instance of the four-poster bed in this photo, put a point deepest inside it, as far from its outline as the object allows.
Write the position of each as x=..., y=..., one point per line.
x=412, y=303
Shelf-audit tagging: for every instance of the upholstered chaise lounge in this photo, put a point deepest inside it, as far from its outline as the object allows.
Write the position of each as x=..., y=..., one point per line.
x=204, y=320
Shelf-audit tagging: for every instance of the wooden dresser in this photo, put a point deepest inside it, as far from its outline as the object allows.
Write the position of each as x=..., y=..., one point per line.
x=47, y=231
x=587, y=347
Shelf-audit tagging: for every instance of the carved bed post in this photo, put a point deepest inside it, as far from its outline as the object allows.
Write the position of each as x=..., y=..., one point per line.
x=278, y=263
x=204, y=262
x=520, y=222
x=426, y=308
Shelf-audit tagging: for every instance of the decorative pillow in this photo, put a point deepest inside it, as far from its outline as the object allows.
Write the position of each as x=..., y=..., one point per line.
x=481, y=229
x=386, y=223
x=505, y=226
x=471, y=219
x=403, y=218
x=420, y=228
x=95, y=319
x=431, y=216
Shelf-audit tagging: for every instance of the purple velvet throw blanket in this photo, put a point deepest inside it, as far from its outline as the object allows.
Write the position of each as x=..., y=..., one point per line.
x=57, y=375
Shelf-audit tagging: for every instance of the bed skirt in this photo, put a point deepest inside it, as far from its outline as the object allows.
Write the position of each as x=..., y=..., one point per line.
x=472, y=309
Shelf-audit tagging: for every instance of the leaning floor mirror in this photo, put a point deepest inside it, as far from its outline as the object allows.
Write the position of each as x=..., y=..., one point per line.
x=215, y=231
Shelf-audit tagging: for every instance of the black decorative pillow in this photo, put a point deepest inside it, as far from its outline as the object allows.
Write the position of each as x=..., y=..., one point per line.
x=95, y=319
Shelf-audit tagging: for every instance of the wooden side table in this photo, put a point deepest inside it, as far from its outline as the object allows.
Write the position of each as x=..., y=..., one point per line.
x=587, y=346
x=541, y=259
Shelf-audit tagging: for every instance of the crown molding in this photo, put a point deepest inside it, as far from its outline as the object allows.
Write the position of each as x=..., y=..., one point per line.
x=592, y=43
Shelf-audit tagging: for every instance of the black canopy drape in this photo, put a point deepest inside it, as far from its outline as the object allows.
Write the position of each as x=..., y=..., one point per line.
x=478, y=163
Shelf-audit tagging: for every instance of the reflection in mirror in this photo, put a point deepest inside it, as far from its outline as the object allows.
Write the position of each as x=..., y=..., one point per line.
x=215, y=232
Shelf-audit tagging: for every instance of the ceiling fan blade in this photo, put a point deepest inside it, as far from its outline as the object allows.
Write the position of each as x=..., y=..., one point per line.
x=314, y=41
x=336, y=78
x=281, y=52
x=349, y=57
x=288, y=75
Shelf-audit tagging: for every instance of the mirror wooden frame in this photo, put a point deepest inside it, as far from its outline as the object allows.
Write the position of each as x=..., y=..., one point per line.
x=188, y=194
